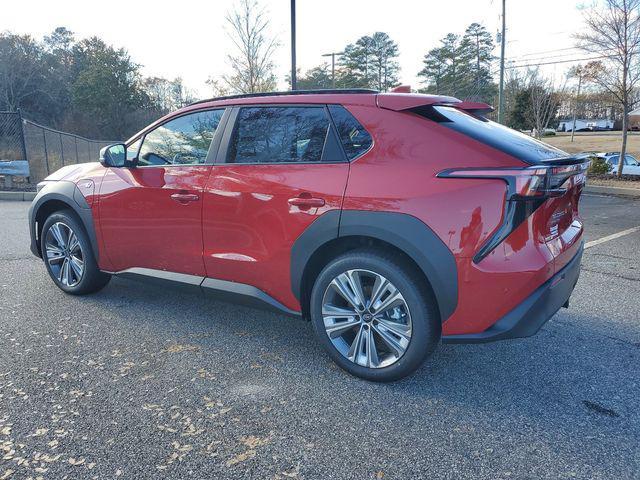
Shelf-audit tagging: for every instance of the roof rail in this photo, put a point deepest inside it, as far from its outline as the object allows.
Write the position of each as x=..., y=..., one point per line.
x=291, y=92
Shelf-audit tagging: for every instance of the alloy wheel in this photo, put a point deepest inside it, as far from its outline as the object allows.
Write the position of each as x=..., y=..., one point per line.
x=366, y=318
x=64, y=254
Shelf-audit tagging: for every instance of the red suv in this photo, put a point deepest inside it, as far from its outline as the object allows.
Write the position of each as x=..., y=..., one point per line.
x=390, y=220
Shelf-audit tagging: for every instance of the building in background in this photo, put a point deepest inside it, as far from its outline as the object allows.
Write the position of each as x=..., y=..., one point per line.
x=634, y=119
x=587, y=124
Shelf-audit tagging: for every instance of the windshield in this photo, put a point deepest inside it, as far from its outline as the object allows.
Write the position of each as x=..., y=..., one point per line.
x=498, y=136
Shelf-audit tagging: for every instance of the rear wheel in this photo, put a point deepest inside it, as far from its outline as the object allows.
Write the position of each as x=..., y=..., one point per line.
x=374, y=317
x=68, y=255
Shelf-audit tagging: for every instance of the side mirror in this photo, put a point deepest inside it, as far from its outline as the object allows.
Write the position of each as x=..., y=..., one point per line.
x=114, y=155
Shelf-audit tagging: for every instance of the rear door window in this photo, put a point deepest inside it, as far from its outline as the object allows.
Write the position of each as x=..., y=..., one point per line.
x=279, y=135
x=498, y=136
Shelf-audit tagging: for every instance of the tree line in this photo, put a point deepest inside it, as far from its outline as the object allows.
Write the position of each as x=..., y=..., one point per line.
x=83, y=86
x=94, y=89
x=460, y=66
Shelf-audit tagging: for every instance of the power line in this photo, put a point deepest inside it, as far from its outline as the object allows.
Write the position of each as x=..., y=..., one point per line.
x=546, y=57
x=574, y=60
x=547, y=51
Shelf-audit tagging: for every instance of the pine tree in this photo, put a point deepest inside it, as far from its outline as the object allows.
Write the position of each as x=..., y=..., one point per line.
x=371, y=62
x=447, y=65
x=461, y=66
x=477, y=50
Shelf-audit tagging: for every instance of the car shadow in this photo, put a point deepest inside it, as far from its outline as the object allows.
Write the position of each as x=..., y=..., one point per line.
x=560, y=366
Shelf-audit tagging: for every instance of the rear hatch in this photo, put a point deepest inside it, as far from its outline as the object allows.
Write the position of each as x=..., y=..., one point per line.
x=546, y=189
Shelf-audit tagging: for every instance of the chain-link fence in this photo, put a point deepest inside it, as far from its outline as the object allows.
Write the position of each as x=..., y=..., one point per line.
x=11, y=139
x=38, y=150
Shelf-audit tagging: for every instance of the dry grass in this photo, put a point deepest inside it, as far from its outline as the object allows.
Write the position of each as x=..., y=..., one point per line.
x=598, y=142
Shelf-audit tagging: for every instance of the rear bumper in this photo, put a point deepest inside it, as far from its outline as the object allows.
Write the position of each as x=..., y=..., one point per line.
x=528, y=317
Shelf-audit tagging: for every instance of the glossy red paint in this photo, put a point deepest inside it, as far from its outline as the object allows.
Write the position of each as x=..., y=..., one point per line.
x=250, y=225
x=146, y=222
x=88, y=178
x=462, y=212
x=85, y=175
x=243, y=223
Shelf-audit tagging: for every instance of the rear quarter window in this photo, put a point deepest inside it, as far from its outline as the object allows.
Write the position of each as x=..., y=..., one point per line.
x=353, y=136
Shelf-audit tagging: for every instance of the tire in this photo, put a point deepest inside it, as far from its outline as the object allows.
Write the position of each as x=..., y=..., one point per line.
x=412, y=324
x=82, y=273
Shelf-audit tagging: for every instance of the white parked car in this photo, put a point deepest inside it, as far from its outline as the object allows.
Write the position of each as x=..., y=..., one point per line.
x=631, y=165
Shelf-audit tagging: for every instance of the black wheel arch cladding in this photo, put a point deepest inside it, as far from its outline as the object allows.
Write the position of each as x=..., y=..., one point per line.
x=67, y=193
x=405, y=232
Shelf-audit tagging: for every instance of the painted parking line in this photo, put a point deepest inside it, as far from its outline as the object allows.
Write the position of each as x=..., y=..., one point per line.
x=613, y=236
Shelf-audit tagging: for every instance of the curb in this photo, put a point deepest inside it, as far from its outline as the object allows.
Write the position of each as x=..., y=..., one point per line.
x=616, y=191
x=17, y=196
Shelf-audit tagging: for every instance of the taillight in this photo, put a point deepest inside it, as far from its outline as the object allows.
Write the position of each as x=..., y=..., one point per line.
x=527, y=183
x=527, y=188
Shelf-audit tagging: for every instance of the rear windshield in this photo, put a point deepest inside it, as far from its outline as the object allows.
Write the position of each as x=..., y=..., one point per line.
x=498, y=136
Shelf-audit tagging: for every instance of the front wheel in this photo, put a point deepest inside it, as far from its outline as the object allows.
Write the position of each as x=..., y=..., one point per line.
x=373, y=315
x=68, y=255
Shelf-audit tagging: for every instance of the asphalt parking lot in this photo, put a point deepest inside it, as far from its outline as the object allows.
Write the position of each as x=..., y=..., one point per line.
x=141, y=382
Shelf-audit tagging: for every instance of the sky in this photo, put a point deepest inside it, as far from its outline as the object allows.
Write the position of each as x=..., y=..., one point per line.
x=188, y=38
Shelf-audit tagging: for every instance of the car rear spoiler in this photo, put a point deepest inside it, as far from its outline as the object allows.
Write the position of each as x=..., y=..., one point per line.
x=409, y=101
x=567, y=161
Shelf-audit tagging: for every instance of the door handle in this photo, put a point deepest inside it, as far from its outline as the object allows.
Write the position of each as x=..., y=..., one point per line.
x=306, y=201
x=185, y=198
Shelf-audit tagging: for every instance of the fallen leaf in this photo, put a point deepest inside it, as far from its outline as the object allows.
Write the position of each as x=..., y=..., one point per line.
x=182, y=448
x=253, y=442
x=241, y=457
x=177, y=348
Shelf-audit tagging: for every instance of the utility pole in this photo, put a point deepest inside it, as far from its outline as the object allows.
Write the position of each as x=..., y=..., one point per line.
x=575, y=106
x=502, y=44
x=293, y=45
x=333, y=66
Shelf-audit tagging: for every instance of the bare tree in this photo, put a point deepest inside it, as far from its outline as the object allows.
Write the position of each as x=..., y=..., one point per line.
x=252, y=64
x=545, y=100
x=575, y=72
x=218, y=87
x=613, y=32
x=167, y=95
